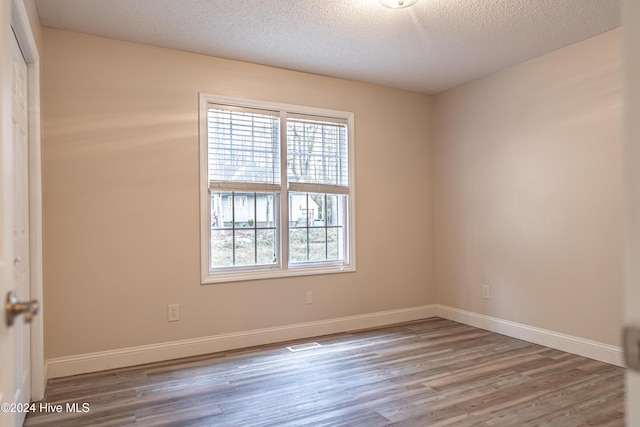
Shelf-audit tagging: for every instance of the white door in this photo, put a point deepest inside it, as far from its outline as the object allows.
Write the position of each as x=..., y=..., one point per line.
x=21, y=217
x=15, y=339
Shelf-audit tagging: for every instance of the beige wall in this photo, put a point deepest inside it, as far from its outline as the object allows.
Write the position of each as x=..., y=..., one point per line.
x=526, y=179
x=528, y=192
x=120, y=169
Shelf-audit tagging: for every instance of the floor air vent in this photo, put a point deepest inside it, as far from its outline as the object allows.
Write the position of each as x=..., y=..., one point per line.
x=303, y=347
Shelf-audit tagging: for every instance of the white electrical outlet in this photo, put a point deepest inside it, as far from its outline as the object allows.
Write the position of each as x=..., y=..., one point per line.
x=173, y=312
x=486, y=292
x=309, y=297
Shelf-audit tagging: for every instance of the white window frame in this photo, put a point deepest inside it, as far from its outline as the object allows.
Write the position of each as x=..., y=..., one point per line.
x=282, y=268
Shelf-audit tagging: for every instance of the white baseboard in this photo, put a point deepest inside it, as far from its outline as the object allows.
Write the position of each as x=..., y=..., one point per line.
x=100, y=361
x=582, y=347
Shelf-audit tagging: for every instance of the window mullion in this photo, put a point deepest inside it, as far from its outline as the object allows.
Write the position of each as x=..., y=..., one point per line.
x=233, y=225
x=306, y=212
x=255, y=228
x=284, y=195
x=324, y=154
x=326, y=225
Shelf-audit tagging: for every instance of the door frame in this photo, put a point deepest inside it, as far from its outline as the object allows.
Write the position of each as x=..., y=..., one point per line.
x=19, y=21
x=631, y=164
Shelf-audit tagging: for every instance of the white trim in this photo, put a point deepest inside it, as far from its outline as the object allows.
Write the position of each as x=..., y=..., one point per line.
x=131, y=356
x=582, y=347
x=282, y=269
x=205, y=199
x=92, y=362
x=273, y=272
x=275, y=106
x=24, y=35
x=38, y=375
x=299, y=187
x=283, y=198
x=7, y=362
x=22, y=29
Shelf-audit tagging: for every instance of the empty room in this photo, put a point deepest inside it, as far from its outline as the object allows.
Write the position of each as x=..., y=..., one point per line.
x=320, y=213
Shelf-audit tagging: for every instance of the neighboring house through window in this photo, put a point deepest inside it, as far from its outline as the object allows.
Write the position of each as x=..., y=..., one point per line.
x=277, y=186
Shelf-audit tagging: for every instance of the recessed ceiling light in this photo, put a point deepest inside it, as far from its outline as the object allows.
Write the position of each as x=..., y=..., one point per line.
x=397, y=4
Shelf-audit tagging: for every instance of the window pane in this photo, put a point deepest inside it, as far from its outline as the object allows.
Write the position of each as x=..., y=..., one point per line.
x=335, y=243
x=317, y=152
x=253, y=218
x=244, y=209
x=298, y=245
x=243, y=146
x=334, y=212
x=317, y=229
x=221, y=248
x=318, y=206
x=317, y=244
x=266, y=240
x=299, y=212
x=245, y=247
x=265, y=210
x=221, y=210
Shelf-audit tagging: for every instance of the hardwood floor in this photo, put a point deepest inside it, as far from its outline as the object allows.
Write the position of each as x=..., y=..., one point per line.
x=432, y=372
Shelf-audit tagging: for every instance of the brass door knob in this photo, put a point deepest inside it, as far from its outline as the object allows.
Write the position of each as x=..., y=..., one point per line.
x=14, y=308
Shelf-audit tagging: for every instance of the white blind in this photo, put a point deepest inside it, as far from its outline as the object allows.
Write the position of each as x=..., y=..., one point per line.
x=317, y=155
x=244, y=147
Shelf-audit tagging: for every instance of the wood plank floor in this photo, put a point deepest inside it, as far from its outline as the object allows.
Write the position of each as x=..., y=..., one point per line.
x=432, y=372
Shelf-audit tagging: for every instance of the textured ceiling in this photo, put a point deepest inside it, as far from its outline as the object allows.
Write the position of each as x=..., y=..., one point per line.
x=430, y=47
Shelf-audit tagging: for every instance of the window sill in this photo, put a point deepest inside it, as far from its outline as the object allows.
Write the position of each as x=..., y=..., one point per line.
x=275, y=273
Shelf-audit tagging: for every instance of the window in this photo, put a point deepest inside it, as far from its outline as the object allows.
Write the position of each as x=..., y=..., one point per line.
x=277, y=192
